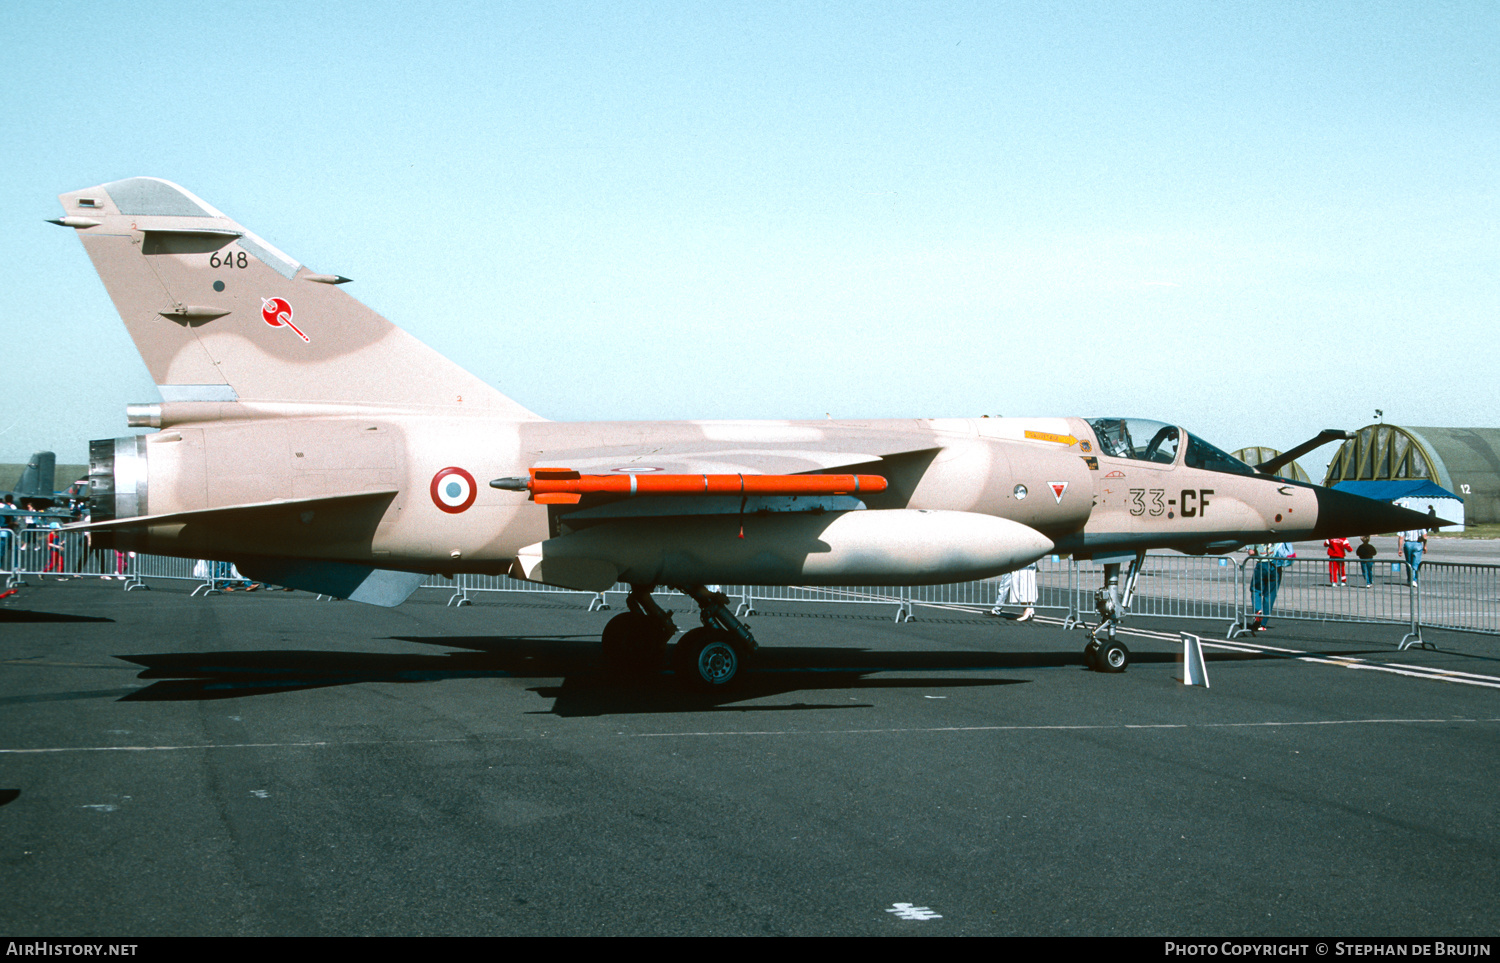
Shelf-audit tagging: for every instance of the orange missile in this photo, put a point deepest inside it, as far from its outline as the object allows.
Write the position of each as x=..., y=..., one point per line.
x=553, y=486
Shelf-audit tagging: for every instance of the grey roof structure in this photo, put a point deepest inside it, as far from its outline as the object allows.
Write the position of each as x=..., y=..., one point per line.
x=1256, y=454
x=1465, y=461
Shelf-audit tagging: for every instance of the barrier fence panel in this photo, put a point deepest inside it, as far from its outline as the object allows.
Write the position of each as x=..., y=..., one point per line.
x=844, y=594
x=1171, y=586
x=462, y=585
x=1453, y=595
x=1311, y=589
x=1053, y=583
x=40, y=552
x=162, y=566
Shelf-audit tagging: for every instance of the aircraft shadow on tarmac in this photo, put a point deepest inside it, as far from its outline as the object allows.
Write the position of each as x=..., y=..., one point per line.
x=783, y=670
x=26, y=615
x=586, y=688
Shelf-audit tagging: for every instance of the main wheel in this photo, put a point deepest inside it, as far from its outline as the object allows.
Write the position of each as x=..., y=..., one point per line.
x=708, y=659
x=633, y=642
x=1112, y=657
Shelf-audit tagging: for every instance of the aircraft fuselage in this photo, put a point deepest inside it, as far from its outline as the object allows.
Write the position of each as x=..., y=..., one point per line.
x=1047, y=474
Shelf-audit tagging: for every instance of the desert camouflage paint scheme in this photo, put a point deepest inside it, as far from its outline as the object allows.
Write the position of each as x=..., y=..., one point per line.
x=309, y=440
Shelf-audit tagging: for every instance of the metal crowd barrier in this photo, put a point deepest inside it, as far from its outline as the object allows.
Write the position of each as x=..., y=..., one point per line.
x=42, y=553
x=1312, y=589
x=1462, y=597
x=461, y=585
x=1055, y=590
x=1173, y=587
x=1452, y=595
x=1055, y=584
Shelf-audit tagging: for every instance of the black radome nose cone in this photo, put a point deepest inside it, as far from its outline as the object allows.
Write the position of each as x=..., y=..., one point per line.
x=1341, y=514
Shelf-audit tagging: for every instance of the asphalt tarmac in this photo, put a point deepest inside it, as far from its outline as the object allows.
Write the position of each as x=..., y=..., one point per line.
x=271, y=764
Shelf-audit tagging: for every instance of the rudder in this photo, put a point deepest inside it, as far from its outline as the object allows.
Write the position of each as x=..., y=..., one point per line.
x=220, y=315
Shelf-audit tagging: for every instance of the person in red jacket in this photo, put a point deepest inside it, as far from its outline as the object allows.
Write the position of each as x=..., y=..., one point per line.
x=1337, y=549
x=54, y=551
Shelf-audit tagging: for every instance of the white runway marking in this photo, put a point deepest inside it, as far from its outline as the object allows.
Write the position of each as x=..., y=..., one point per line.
x=508, y=737
x=238, y=745
x=907, y=911
x=1413, y=671
x=1059, y=728
x=1342, y=661
x=1351, y=662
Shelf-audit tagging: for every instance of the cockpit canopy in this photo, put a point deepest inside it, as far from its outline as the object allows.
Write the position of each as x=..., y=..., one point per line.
x=1144, y=440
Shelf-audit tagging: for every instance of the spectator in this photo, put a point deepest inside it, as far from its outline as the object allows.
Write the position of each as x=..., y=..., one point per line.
x=55, y=547
x=8, y=525
x=1002, y=593
x=234, y=578
x=1017, y=588
x=1412, y=544
x=1023, y=592
x=1337, y=548
x=1366, y=553
x=1265, y=581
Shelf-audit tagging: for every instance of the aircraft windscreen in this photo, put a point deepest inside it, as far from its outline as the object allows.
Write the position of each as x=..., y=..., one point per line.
x=1200, y=454
x=1155, y=441
x=1137, y=438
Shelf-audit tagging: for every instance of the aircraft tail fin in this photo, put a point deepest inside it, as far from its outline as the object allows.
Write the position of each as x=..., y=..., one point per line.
x=220, y=315
x=39, y=478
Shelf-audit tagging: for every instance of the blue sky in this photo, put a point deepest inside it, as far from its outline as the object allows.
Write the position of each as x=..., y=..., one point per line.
x=1257, y=220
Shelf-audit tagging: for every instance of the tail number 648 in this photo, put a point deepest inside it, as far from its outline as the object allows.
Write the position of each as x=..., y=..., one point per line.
x=231, y=259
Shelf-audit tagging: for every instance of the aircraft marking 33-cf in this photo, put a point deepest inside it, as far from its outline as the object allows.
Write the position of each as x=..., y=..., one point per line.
x=316, y=445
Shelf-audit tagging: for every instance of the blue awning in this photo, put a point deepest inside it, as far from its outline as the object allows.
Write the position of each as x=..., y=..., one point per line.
x=1389, y=491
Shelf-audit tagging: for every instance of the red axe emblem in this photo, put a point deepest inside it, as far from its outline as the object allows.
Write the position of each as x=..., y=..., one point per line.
x=277, y=312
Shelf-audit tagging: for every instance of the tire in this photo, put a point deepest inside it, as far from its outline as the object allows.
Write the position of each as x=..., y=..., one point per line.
x=633, y=642
x=1113, y=657
x=708, y=659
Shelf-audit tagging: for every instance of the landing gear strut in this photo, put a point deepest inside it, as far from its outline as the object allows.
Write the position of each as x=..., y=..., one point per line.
x=1105, y=653
x=714, y=655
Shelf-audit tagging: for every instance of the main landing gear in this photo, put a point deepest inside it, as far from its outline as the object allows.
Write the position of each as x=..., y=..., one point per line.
x=635, y=641
x=1105, y=653
x=711, y=657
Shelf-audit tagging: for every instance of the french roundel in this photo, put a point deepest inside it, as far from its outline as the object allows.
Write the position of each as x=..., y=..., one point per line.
x=453, y=490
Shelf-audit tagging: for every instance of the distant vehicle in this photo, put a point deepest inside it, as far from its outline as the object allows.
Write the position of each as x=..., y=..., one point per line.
x=314, y=444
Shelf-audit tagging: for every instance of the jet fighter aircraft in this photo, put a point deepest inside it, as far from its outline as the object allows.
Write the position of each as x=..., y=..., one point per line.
x=36, y=494
x=314, y=444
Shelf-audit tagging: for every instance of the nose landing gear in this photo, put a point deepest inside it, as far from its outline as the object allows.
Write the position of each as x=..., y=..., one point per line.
x=1104, y=653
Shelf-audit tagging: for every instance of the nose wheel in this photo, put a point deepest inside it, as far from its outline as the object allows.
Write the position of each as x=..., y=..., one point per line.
x=1106, y=656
